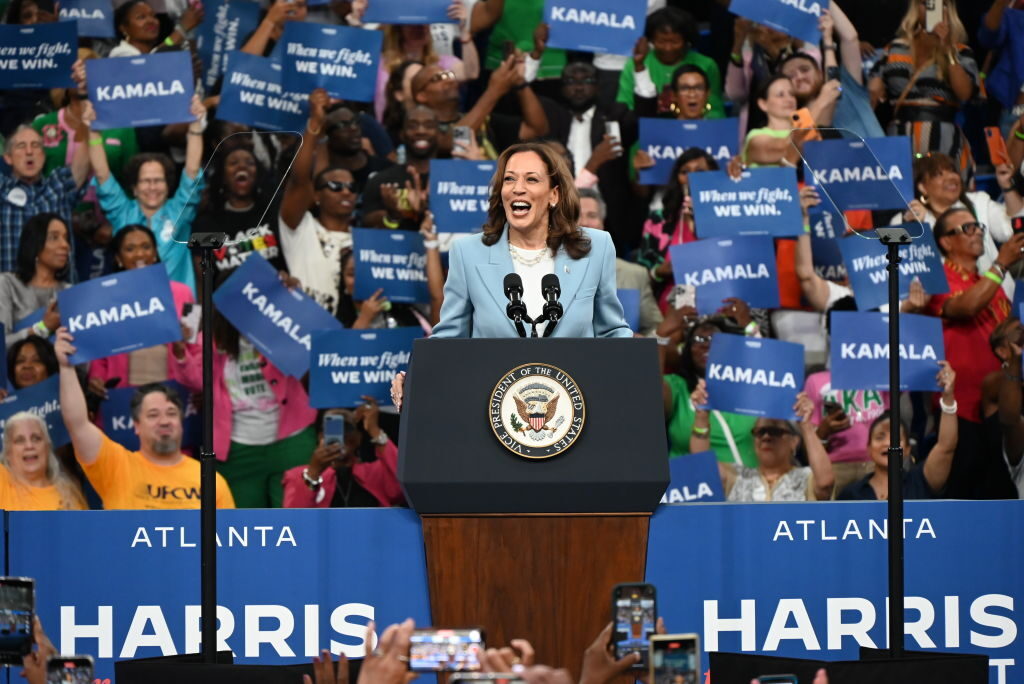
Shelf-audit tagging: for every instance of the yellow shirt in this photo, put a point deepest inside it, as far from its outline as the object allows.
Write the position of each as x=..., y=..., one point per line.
x=17, y=496
x=125, y=479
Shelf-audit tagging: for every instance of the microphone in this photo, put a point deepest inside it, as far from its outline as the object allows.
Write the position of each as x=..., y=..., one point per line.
x=552, y=290
x=516, y=309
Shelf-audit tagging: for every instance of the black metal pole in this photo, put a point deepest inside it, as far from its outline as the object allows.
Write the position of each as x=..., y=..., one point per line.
x=895, y=453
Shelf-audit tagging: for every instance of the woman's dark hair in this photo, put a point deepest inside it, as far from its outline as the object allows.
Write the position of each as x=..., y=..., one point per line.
x=686, y=369
x=225, y=335
x=119, y=237
x=887, y=416
x=690, y=69
x=217, y=186
x=32, y=242
x=672, y=19
x=121, y=14
x=846, y=303
x=672, y=203
x=13, y=15
x=131, y=170
x=564, y=220
x=762, y=91
x=393, y=109
x=43, y=348
x=931, y=165
x=941, y=229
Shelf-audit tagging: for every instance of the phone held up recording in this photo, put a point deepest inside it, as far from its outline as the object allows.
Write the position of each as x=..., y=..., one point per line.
x=675, y=659
x=446, y=650
x=17, y=609
x=634, y=612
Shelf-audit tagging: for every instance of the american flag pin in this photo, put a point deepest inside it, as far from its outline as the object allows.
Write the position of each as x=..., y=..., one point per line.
x=566, y=269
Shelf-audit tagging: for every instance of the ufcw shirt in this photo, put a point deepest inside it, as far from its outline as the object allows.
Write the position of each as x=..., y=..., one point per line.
x=15, y=496
x=125, y=479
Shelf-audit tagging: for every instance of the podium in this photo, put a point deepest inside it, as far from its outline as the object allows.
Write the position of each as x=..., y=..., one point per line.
x=533, y=506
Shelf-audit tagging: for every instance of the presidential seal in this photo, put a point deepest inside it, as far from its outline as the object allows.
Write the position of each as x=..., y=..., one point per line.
x=537, y=410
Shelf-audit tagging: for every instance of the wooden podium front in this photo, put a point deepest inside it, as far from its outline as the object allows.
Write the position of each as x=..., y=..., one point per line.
x=544, y=578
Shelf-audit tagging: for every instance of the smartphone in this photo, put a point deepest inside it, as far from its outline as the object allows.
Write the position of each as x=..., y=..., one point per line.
x=611, y=129
x=832, y=74
x=802, y=119
x=486, y=677
x=446, y=650
x=334, y=429
x=76, y=669
x=778, y=679
x=508, y=48
x=675, y=659
x=17, y=608
x=932, y=14
x=400, y=155
x=634, y=612
x=832, y=407
x=462, y=136
x=996, y=146
x=1017, y=223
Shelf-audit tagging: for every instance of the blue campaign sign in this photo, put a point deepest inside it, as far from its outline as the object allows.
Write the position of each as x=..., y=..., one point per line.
x=3, y=357
x=145, y=602
x=741, y=267
x=222, y=32
x=408, y=12
x=764, y=201
x=147, y=90
x=341, y=59
x=30, y=320
x=754, y=376
x=460, y=190
x=866, y=263
x=254, y=94
x=859, y=351
x=826, y=226
x=42, y=399
x=630, y=300
x=117, y=417
x=390, y=260
x=694, y=477
x=367, y=365
x=37, y=56
x=798, y=18
x=278, y=321
x=609, y=26
x=120, y=313
x=665, y=139
x=814, y=586
x=95, y=17
x=875, y=173
x=1018, y=300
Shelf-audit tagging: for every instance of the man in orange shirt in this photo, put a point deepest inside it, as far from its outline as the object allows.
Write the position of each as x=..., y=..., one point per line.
x=156, y=476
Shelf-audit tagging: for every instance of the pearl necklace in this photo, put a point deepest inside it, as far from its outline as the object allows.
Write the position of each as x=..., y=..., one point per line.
x=527, y=261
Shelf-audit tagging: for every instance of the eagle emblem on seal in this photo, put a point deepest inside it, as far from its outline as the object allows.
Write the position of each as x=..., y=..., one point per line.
x=537, y=405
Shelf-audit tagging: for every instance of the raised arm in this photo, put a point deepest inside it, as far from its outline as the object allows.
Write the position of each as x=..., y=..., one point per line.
x=298, y=193
x=194, y=146
x=80, y=160
x=85, y=437
x=814, y=288
x=470, y=57
x=502, y=80
x=485, y=15
x=817, y=457
x=435, y=270
x=97, y=153
x=264, y=33
x=848, y=42
x=940, y=458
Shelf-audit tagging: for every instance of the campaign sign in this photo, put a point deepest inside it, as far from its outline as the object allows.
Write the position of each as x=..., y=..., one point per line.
x=347, y=364
x=741, y=267
x=30, y=320
x=390, y=260
x=95, y=17
x=460, y=192
x=223, y=31
x=147, y=90
x=630, y=301
x=826, y=226
x=37, y=56
x=694, y=477
x=408, y=12
x=859, y=351
x=341, y=59
x=875, y=173
x=3, y=357
x=609, y=26
x=797, y=18
x=1018, y=300
x=665, y=140
x=254, y=94
x=42, y=399
x=117, y=417
x=866, y=263
x=278, y=321
x=813, y=584
x=120, y=313
x=754, y=376
x=145, y=602
x=764, y=201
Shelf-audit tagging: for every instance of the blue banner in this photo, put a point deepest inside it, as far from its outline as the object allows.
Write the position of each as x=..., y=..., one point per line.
x=1017, y=308
x=42, y=399
x=812, y=582
x=390, y=260
x=408, y=12
x=859, y=351
x=855, y=175
x=369, y=361
x=224, y=29
x=459, y=194
x=866, y=263
x=37, y=56
x=826, y=227
x=694, y=477
x=609, y=26
x=739, y=267
x=254, y=94
x=279, y=322
x=630, y=301
x=322, y=575
x=665, y=140
x=797, y=18
x=120, y=313
x=117, y=417
x=340, y=59
x=754, y=376
x=147, y=90
x=764, y=201
x=95, y=17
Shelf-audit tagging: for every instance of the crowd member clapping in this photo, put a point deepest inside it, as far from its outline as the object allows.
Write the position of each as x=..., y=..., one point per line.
x=41, y=271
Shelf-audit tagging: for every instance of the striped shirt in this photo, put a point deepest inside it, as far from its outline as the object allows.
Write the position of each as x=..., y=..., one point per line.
x=897, y=67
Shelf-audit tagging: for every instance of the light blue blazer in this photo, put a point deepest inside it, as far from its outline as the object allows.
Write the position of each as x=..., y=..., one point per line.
x=474, y=296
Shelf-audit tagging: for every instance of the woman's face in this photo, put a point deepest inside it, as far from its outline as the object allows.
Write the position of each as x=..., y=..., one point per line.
x=57, y=247
x=240, y=173
x=774, y=443
x=141, y=24
x=692, y=166
x=943, y=188
x=781, y=101
x=29, y=368
x=137, y=250
x=151, y=188
x=28, y=453
x=700, y=344
x=878, y=444
x=805, y=77
x=669, y=46
x=336, y=193
x=348, y=276
x=691, y=96
x=957, y=242
x=526, y=191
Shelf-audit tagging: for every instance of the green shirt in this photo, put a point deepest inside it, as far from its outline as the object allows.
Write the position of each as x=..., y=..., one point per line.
x=680, y=425
x=661, y=75
x=517, y=23
x=119, y=143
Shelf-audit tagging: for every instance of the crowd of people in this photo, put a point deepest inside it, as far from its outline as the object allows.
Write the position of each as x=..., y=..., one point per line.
x=78, y=203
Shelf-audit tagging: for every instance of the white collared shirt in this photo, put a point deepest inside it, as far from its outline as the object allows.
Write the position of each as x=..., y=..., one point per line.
x=578, y=142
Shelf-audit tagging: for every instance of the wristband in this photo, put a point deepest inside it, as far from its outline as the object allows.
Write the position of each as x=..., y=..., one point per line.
x=807, y=227
x=430, y=244
x=947, y=409
x=168, y=42
x=1017, y=134
x=829, y=46
x=662, y=341
x=751, y=329
x=654, y=276
x=993, y=277
x=41, y=329
x=736, y=59
x=310, y=482
x=701, y=432
x=381, y=439
x=388, y=223
x=95, y=142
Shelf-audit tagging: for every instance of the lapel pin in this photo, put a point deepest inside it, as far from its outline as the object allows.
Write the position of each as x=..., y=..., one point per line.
x=566, y=269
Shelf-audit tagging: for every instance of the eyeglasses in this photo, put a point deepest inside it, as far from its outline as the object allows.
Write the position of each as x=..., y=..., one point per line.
x=702, y=339
x=767, y=431
x=968, y=229
x=442, y=76
x=337, y=186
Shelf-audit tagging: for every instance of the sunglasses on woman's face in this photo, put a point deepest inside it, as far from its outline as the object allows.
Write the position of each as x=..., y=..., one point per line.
x=337, y=186
x=969, y=228
x=767, y=431
x=703, y=339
